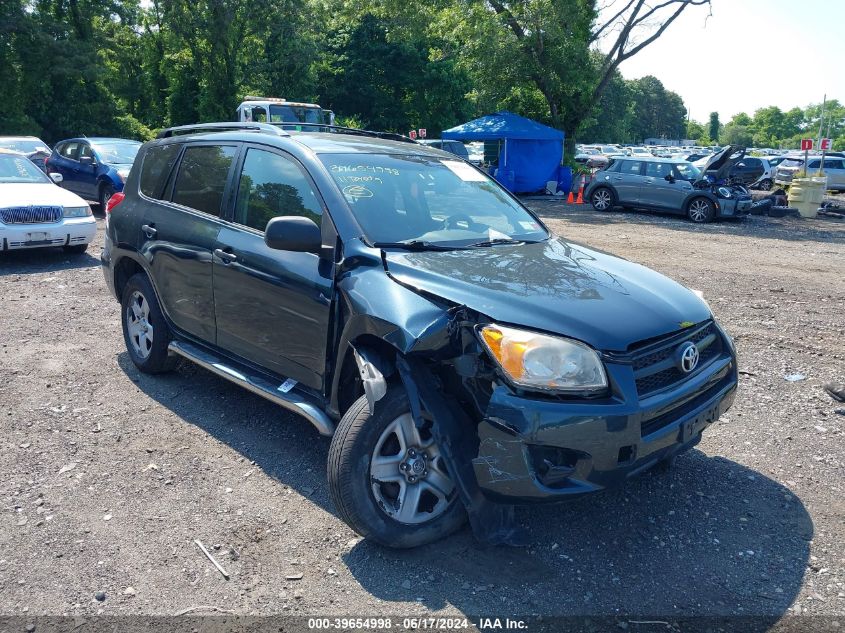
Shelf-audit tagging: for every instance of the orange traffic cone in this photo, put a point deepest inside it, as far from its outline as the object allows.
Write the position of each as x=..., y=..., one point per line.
x=580, y=199
x=571, y=198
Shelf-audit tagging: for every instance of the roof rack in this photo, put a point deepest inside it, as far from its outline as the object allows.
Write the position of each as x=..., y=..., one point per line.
x=343, y=130
x=221, y=127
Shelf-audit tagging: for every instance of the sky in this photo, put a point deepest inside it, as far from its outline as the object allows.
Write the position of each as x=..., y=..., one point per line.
x=749, y=54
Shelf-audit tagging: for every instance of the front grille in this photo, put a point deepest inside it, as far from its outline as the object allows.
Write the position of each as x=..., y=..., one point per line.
x=31, y=215
x=655, y=367
x=655, y=424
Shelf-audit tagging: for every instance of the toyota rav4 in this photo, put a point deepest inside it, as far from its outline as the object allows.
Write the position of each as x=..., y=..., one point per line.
x=462, y=357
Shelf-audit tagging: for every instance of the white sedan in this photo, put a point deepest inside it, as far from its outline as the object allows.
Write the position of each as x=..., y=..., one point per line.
x=34, y=212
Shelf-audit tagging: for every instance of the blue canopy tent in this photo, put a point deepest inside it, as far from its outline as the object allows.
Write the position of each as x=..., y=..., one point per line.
x=529, y=153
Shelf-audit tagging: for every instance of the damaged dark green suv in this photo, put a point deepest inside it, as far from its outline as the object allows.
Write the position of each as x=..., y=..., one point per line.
x=462, y=357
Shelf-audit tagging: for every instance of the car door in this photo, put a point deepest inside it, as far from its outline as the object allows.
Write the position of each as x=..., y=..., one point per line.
x=179, y=231
x=628, y=181
x=87, y=174
x=659, y=193
x=835, y=170
x=67, y=165
x=272, y=307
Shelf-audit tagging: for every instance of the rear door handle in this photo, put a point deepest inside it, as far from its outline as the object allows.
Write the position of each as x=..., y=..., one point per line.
x=227, y=257
x=149, y=230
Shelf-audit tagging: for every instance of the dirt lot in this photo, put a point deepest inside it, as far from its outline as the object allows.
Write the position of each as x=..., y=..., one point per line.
x=109, y=475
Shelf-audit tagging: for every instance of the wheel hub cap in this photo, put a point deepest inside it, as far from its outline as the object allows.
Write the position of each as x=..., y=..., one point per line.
x=415, y=465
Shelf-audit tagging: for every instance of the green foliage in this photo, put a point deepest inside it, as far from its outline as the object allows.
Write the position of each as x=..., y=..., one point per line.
x=127, y=67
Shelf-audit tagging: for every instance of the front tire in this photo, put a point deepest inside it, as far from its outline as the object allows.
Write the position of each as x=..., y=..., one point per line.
x=602, y=199
x=387, y=478
x=701, y=210
x=106, y=192
x=145, y=331
x=765, y=184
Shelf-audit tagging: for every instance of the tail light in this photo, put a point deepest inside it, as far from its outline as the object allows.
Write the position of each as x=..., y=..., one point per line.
x=115, y=200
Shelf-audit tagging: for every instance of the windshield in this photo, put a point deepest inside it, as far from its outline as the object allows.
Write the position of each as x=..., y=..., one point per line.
x=295, y=114
x=117, y=153
x=688, y=171
x=428, y=201
x=25, y=146
x=20, y=169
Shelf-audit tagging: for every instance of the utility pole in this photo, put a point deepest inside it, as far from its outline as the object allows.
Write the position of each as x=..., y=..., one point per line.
x=821, y=119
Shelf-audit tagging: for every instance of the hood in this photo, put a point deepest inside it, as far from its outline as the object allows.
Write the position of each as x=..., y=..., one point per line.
x=719, y=165
x=554, y=286
x=24, y=194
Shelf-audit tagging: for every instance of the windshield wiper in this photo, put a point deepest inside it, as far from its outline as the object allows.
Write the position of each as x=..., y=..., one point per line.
x=501, y=240
x=417, y=245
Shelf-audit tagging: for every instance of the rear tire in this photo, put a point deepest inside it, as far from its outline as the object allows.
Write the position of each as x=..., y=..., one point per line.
x=602, y=199
x=145, y=331
x=765, y=185
x=701, y=210
x=359, y=446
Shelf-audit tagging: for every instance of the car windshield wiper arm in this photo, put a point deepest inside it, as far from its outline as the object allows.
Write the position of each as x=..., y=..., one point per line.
x=502, y=240
x=417, y=245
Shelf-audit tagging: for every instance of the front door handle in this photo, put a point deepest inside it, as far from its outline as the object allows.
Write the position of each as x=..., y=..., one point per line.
x=227, y=257
x=149, y=230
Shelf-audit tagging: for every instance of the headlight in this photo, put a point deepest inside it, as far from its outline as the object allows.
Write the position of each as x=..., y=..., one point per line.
x=724, y=192
x=123, y=174
x=544, y=362
x=77, y=212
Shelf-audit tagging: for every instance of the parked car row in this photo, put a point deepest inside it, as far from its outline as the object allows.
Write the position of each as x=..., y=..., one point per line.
x=44, y=193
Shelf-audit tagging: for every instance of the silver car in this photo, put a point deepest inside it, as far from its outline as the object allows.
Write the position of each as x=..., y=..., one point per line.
x=671, y=186
x=834, y=169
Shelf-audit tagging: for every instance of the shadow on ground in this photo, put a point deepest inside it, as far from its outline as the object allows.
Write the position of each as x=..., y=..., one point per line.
x=43, y=260
x=711, y=537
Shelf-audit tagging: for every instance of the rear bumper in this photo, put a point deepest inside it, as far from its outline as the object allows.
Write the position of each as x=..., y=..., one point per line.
x=67, y=232
x=534, y=450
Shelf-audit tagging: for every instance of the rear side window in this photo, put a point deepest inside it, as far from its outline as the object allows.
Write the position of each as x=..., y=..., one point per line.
x=630, y=167
x=158, y=163
x=833, y=163
x=272, y=185
x=202, y=177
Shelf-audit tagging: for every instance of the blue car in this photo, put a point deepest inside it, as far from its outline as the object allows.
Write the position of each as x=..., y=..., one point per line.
x=93, y=168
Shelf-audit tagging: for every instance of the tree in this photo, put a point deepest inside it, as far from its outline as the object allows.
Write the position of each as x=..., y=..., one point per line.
x=715, y=127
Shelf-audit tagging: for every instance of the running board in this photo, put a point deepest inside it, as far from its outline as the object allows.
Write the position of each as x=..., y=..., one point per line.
x=257, y=384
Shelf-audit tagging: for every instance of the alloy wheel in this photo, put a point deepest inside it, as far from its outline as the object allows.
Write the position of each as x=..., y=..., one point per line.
x=602, y=199
x=138, y=325
x=699, y=210
x=408, y=478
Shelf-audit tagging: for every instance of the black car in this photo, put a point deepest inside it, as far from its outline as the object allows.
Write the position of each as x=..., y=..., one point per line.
x=747, y=171
x=462, y=357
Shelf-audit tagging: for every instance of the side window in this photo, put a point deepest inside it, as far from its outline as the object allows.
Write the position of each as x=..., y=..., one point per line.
x=753, y=163
x=157, y=165
x=85, y=151
x=814, y=164
x=202, y=177
x=630, y=167
x=69, y=150
x=833, y=163
x=614, y=166
x=657, y=170
x=272, y=185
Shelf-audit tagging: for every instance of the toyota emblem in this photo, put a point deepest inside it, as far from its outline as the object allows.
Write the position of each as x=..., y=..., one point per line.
x=687, y=357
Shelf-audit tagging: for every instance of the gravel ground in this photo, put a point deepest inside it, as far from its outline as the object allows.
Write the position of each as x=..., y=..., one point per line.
x=109, y=475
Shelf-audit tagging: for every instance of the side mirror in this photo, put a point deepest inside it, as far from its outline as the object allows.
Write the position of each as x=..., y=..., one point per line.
x=293, y=233
x=56, y=177
x=669, y=177
x=86, y=160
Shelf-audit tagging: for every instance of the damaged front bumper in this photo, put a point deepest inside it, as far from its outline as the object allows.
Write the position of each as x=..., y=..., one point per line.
x=531, y=449
x=735, y=207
